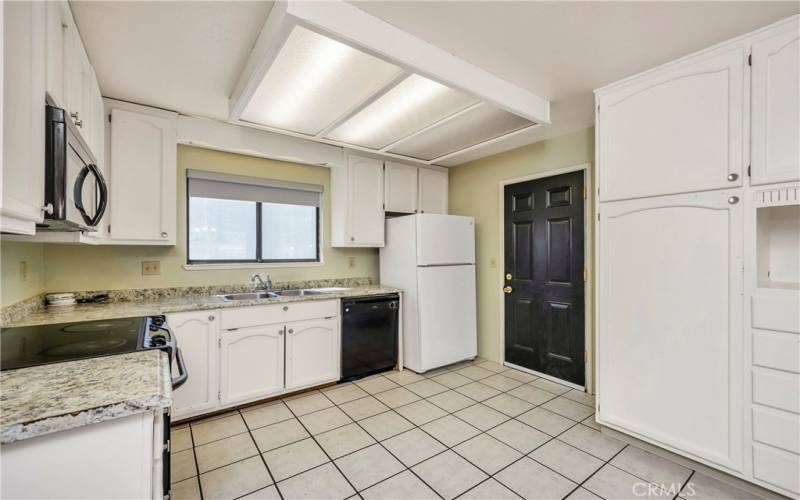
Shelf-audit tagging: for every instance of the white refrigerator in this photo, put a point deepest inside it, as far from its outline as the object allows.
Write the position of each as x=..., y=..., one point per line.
x=431, y=258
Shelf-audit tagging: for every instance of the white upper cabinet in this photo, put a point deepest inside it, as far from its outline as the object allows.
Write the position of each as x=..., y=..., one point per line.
x=400, y=188
x=23, y=116
x=312, y=352
x=60, y=29
x=775, y=118
x=357, y=203
x=670, y=318
x=433, y=188
x=676, y=129
x=197, y=334
x=143, y=175
x=251, y=363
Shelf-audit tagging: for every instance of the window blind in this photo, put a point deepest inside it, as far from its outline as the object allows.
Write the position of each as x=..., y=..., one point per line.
x=235, y=187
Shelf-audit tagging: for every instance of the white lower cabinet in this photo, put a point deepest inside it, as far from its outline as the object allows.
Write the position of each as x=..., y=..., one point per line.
x=251, y=363
x=197, y=335
x=670, y=323
x=312, y=352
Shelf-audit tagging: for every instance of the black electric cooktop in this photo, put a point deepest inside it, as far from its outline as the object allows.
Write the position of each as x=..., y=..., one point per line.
x=25, y=346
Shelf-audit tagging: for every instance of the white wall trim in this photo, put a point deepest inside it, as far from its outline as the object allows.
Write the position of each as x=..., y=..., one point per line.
x=588, y=313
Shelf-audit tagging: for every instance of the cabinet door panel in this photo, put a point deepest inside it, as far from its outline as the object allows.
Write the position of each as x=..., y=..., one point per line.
x=196, y=333
x=312, y=352
x=59, y=22
x=776, y=100
x=400, y=188
x=251, y=363
x=143, y=177
x=669, y=323
x=676, y=131
x=365, y=207
x=432, y=191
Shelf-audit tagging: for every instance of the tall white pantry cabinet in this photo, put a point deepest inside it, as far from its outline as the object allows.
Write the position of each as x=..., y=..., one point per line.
x=698, y=252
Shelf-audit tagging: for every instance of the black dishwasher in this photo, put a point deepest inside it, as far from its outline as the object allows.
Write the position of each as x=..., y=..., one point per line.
x=369, y=335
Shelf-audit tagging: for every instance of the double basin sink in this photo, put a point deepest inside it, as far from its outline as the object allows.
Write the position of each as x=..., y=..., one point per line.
x=270, y=294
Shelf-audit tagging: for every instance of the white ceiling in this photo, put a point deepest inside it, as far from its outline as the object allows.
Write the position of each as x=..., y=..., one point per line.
x=187, y=55
x=178, y=55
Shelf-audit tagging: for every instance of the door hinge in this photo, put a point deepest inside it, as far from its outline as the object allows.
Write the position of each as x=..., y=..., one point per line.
x=585, y=356
x=585, y=275
x=109, y=118
x=598, y=108
x=748, y=170
x=598, y=216
x=219, y=395
x=219, y=342
x=109, y=228
x=383, y=206
x=749, y=59
x=584, y=192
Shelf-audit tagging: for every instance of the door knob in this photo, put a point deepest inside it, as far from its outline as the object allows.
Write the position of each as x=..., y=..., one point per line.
x=507, y=289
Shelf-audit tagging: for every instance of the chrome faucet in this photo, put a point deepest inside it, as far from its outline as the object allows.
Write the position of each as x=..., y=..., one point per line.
x=261, y=284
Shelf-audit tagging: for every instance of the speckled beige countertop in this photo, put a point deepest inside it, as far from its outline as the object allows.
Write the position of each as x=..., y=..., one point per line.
x=164, y=305
x=49, y=398
x=59, y=396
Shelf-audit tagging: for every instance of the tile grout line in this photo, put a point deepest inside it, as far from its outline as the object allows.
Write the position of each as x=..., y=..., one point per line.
x=196, y=465
x=261, y=456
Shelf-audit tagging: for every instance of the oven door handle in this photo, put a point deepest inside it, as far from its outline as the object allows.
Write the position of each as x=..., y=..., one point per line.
x=183, y=374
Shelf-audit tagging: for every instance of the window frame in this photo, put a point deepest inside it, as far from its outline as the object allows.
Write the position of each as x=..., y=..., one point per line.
x=259, y=227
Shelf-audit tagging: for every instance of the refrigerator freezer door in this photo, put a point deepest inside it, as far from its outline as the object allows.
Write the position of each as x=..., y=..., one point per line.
x=445, y=239
x=447, y=319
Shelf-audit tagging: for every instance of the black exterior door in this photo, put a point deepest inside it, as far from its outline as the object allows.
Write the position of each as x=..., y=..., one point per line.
x=544, y=280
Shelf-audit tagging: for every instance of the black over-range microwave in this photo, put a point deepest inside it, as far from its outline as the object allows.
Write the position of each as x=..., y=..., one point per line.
x=75, y=193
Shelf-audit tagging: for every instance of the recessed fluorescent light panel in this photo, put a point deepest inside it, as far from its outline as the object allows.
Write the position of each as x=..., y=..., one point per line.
x=477, y=125
x=412, y=105
x=313, y=81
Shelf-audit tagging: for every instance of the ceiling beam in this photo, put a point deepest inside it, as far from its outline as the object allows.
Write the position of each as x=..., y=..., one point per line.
x=357, y=28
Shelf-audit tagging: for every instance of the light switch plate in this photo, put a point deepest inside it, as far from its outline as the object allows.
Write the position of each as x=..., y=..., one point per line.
x=151, y=267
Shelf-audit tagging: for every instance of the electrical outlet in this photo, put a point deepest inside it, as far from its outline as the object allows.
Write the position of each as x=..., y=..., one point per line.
x=23, y=270
x=351, y=262
x=151, y=267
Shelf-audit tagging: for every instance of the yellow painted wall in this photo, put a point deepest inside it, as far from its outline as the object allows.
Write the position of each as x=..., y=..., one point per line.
x=80, y=267
x=13, y=286
x=474, y=191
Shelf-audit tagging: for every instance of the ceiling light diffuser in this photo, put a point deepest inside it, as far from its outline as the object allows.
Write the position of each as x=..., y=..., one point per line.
x=313, y=81
x=477, y=125
x=415, y=103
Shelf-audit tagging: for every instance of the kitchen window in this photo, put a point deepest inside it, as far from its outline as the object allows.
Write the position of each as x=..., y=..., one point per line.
x=234, y=219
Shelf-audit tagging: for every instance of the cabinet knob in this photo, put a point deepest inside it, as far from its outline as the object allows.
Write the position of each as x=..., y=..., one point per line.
x=285, y=308
x=733, y=200
x=733, y=177
x=280, y=332
x=507, y=289
x=352, y=238
x=164, y=234
x=74, y=115
x=211, y=318
x=79, y=123
x=291, y=331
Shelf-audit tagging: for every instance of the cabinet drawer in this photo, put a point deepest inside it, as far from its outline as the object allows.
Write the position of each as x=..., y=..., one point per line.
x=277, y=313
x=776, y=467
x=776, y=389
x=777, y=350
x=777, y=312
x=776, y=428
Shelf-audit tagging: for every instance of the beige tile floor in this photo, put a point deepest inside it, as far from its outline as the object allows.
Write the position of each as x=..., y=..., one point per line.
x=475, y=430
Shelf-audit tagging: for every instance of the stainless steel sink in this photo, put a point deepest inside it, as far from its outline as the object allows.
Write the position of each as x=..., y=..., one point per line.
x=295, y=293
x=248, y=296
x=270, y=295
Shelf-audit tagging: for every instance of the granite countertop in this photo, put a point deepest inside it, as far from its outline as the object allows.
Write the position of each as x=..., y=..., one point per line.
x=175, y=303
x=49, y=398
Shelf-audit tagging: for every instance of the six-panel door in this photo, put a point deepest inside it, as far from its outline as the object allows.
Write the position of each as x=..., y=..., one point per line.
x=251, y=363
x=196, y=333
x=775, y=125
x=676, y=130
x=312, y=352
x=669, y=330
